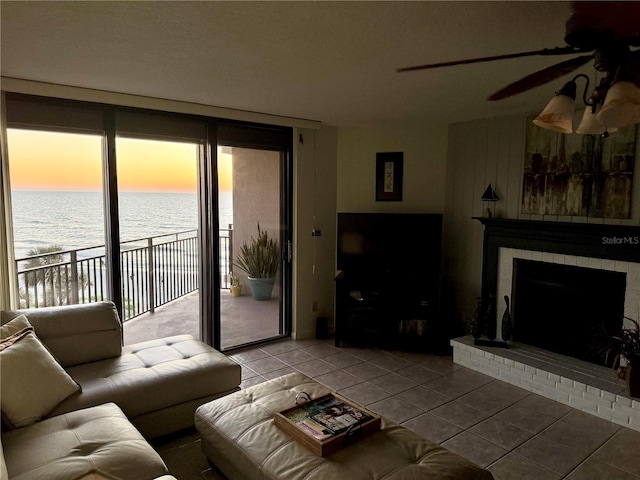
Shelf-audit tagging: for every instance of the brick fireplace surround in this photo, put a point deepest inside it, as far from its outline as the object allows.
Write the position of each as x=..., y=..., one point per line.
x=583, y=385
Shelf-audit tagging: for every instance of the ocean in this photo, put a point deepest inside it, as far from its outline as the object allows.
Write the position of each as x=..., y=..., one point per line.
x=75, y=220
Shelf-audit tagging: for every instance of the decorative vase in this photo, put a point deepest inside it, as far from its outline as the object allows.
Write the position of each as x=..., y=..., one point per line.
x=490, y=320
x=236, y=290
x=261, y=288
x=476, y=326
x=507, y=326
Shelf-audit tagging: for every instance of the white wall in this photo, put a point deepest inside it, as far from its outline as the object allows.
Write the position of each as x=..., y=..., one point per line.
x=425, y=153
x=342, y=179
x=315, y=205
x=424, y=150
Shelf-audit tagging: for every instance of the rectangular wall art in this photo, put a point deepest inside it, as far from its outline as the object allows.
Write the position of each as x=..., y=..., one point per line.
x=578, y=175
x=389, y=176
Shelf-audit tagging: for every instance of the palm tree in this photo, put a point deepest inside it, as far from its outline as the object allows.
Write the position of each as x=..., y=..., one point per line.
x=25, y=302
x=47, y=269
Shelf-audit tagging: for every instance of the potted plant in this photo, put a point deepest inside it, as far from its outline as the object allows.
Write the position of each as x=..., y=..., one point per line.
x=260, y=259
x=236, y=286
x=623, y=350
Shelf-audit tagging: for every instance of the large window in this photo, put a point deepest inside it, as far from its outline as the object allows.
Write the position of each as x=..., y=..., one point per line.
x=147, y=209
x=58, y=217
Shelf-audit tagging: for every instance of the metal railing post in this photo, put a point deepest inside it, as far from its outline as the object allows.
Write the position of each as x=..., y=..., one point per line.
x=17, y=286
x=74, y=277
x=176, y=256
x=230, y=251
x=150, y=284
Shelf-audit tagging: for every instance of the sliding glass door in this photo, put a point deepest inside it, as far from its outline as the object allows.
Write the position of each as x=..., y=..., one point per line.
x=152, y=211
x=254, y=207
x=158, y=218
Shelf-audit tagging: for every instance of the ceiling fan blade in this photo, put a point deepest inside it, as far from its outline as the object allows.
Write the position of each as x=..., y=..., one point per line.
x=541, y=77
x=546, y=51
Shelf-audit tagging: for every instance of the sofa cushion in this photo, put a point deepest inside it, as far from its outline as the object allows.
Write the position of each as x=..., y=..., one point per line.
x=69, y=446
x=4, y=475
x=76, y=334
x=31, y=380
x=14, y=326
x=154, y=375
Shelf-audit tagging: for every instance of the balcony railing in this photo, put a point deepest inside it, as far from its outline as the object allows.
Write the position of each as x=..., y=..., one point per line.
x=155, y=271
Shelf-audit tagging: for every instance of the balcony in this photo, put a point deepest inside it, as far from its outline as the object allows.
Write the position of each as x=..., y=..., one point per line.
x=159, y=288
x=243, y=320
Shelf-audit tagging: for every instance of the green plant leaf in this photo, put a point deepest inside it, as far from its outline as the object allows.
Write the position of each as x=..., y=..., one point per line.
x=259, y=258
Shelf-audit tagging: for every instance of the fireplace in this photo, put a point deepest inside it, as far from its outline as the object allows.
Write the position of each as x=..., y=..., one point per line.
x=610, y=251
x=566, y=309
x=562, y=260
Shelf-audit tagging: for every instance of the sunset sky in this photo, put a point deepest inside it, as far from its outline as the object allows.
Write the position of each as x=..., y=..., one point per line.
x=62, y=161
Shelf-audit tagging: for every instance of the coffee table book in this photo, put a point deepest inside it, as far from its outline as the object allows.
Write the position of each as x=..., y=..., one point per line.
x=328, y=423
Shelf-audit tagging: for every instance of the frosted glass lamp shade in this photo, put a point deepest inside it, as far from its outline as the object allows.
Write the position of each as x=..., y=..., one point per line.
x=621, y=106
x=557, y=115
x=590, y=125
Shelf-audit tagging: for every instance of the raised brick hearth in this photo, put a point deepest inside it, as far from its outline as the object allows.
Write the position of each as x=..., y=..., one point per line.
x=592, y=388
x=582, y=385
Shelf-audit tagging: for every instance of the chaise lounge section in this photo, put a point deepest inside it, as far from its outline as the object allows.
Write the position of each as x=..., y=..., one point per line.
x=158, y=384
x=69, y=446
x=106, y=399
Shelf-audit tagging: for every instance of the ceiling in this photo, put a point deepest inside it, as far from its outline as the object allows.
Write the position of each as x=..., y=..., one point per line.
x=328, y=61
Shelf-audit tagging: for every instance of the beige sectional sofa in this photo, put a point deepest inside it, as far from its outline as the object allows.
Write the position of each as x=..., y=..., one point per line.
x=123, y=394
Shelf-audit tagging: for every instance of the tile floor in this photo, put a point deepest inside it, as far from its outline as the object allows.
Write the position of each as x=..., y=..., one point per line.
x=513, y=433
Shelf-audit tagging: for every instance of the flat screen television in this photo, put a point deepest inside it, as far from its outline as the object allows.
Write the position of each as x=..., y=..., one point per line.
x=389, y=244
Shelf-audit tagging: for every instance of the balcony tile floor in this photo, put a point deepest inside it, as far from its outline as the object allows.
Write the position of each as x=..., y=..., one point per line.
x=244, y=320
x=515, y=434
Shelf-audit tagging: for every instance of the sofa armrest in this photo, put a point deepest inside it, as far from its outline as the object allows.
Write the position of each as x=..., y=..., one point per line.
x=4, y=475
x=76, y=334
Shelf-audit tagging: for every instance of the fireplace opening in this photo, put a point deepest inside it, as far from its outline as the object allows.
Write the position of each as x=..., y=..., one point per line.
x=565, y=308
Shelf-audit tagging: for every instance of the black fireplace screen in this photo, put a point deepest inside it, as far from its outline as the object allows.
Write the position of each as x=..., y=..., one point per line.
x=566, y=309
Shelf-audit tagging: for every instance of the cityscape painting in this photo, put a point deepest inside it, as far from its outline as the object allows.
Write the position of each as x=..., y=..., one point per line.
x=578, y=175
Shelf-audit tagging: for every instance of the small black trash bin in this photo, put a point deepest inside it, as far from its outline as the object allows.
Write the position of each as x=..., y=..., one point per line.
x=322, y=328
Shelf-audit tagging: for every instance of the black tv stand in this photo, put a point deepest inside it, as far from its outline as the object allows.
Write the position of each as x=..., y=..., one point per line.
x=375, y=309
x=388, y=291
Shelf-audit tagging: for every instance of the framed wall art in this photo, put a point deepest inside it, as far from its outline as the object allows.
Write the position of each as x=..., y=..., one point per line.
x=578, y=175
x=389, y=176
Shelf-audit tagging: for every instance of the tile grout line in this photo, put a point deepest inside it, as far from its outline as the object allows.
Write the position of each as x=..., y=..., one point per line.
x=513, y=450
x=451, y=400
x=420, y=362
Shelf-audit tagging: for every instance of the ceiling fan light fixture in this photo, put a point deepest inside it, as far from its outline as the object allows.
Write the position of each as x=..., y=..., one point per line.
x=591, y=125
x=558, y=114
x=621, y=106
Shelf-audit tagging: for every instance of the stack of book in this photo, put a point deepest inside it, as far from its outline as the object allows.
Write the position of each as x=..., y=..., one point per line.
x=328, y=423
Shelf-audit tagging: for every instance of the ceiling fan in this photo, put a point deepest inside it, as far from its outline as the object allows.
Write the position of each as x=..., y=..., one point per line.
x=605, y=32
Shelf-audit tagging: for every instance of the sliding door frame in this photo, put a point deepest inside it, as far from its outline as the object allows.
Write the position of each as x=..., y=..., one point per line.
x=111, y=217
x=267, y=137
x=47, y=113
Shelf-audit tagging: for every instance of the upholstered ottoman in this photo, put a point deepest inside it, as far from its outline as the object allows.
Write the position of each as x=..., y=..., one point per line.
x=239, y=437
x=70, y=445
